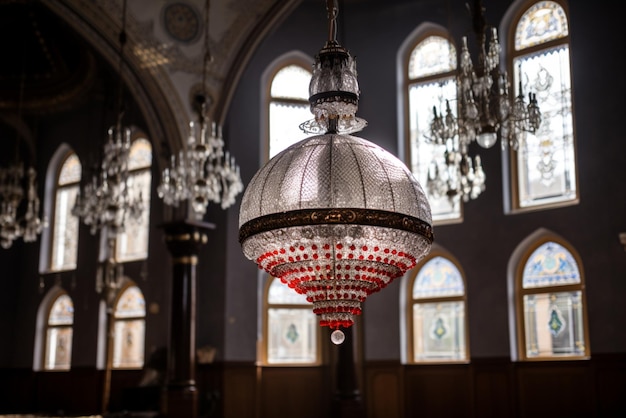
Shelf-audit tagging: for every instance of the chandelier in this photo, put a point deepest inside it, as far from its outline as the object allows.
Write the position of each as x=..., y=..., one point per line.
x=484, y=113
x=108, y=201
x=334, y=216
x=202, y=172
x=12, y=197
x=19, y=195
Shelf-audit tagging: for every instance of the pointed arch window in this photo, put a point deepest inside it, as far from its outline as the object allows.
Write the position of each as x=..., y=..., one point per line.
x=64, y=245
x=133, y=243
x=437, y=323
x=288, y=102
x=543, y=170
x=59, y=332
x=291, y=333
x=429, y=74
x=550, y=302
x=129, y=322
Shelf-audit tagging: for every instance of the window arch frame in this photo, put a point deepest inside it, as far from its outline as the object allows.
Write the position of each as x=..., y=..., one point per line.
x=297, y=58
x=517, y=264
x=320, y=356
x=136, y=135
x=410, y=302
x=55, y=166
x=509, y=24
x=43, y=325
x=110, y=342
x=420, y=34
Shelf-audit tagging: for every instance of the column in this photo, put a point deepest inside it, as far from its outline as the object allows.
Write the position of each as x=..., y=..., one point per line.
x=184, y=240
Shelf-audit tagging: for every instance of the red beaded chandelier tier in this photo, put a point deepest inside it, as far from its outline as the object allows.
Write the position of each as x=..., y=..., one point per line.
x=334, y=216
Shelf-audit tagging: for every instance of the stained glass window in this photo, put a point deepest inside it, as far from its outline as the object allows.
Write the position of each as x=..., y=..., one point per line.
x=552, y=304
x=544, y=170
x=129, y=329
x=430, y=82
x=292, y=330
x=288, y=107
x=438, y=322
x=65, y=226
x=58, y=351
x=133, y=243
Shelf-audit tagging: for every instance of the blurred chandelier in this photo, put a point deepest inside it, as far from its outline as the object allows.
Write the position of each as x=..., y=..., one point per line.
x=108, y=200
x=14, y=195
x=334, y=216
x=484, y=113
x=202, y=172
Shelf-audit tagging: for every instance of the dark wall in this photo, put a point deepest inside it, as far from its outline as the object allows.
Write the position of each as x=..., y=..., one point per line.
x=483, y=243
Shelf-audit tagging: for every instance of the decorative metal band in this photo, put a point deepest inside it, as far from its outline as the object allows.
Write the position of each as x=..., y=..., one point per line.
x=192, y=259
x=333, y=96
x=303, y=217
x=196, y=236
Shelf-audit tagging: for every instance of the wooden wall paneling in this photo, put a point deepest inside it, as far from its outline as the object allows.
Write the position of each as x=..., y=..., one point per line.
x=240, y=391
x=555, y=389
x=383, y=391
x=493, y=389
x=436, y=391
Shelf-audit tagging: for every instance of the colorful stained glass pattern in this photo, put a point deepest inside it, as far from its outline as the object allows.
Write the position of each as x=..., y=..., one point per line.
x=438, y=277
x=554, y=324
x=439, y=331
x=58, y=353
x=131, y=304
x=546, y=160
x=550, y=264
x=288, y=108
x=542, y=22
x=433, y=55
x=291, y=336
x=62, y=312
x=129, y=329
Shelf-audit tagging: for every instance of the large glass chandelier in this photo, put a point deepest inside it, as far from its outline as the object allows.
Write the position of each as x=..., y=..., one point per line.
x=108, y=201
x=202, y=172
x=334, y=216
x=484, y=113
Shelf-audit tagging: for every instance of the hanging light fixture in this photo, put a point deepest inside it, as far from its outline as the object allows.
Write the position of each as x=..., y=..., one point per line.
x=484, y=113
x=108, y=200
x=14, y=194
x=334, y=216
x=202, y=172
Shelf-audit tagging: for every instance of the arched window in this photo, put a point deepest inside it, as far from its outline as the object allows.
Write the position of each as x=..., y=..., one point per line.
x=60, y=244
x=58, y=333
x=436, y=319
x=287, y=101
x=129, y=323
x=291, y=333
x=549, y=300
x=429, y=62
x=543, y=170
x=133, y=243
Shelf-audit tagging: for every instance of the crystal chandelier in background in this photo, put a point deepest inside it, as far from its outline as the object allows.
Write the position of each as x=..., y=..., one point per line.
x=335, y=217
x=14, y=195
x=29, y=224
x=202, y=172
x=108, y=202
x=484, y=113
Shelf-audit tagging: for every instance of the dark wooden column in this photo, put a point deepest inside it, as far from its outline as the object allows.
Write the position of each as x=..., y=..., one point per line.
x=347, y=401
x=184, y=240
